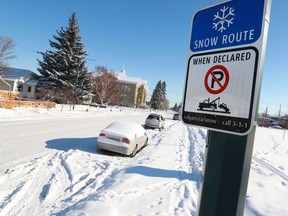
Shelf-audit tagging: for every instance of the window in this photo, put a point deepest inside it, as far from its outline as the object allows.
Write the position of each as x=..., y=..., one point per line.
x=20, y=88
x=29, y=88
x=127, y=88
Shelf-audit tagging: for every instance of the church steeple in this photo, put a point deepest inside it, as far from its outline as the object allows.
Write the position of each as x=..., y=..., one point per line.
x=123, y=70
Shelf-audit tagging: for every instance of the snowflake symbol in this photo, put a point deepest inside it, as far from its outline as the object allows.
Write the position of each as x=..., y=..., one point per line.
x=223, y=19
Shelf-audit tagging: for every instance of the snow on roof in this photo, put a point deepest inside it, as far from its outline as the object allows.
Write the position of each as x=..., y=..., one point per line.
x=15, y=73
x=32, y=82
x=121, y=76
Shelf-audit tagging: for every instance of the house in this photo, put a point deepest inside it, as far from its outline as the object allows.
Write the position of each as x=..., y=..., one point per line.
x=19, y=80
x=133, y=91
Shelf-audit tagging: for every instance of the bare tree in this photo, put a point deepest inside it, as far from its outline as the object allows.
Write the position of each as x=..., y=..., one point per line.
x=105, y=86
x=60, y=96
x=6, y=52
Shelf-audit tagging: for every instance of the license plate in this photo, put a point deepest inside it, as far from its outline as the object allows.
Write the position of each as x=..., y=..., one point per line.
x=114, y=138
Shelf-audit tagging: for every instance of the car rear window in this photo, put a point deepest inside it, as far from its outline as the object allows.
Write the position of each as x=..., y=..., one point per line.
x=153, y=117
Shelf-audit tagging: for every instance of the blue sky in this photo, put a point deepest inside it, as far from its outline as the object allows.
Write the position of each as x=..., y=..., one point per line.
x=149, y=38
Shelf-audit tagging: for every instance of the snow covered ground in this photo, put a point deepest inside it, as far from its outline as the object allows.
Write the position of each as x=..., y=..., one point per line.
x=49, y=166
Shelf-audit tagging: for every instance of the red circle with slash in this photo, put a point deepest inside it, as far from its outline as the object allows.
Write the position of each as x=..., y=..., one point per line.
x=216, y=87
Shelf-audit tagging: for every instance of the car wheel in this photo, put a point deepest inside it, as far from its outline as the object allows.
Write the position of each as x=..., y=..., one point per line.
x=134, y=151
x=146, y=143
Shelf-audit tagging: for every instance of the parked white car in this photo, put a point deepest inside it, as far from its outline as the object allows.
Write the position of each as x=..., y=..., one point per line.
x=122, y=137
x=155, y=121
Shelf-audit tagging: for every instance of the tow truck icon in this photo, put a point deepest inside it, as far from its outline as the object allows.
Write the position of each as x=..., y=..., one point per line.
x=212, y=106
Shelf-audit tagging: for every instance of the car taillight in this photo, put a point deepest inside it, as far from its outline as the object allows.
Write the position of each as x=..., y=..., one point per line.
x=126, y=140
x=101, y=134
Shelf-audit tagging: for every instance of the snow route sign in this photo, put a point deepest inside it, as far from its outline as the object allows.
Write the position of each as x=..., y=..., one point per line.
x=225, y=58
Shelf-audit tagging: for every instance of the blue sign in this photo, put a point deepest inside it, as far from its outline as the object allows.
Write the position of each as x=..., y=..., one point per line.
x=233, y=23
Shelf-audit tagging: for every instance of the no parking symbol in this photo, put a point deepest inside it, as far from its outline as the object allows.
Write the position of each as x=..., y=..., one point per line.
x=216, y=79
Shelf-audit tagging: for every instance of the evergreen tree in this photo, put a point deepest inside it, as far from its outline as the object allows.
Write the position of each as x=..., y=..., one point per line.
x=175, y=107
x=155, y=98
x=158, y=98
x=165, y=102
x=63, y=68
x=163, y=87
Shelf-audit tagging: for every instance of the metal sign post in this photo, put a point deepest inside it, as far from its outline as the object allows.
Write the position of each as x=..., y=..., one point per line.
x=226, y=174
x=222, y=89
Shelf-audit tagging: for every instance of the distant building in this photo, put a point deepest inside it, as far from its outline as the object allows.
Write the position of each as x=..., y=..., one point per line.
x=133, y=91
x=19, y=80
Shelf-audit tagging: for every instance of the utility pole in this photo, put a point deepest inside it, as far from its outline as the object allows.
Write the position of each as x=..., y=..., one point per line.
x=280, y=111
x=76, y=84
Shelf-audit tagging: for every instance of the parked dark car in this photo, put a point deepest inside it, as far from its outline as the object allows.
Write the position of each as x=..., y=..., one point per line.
x=176, y=116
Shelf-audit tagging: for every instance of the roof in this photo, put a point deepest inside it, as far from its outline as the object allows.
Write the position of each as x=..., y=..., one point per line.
x=15, y=73
x=121, y=76
x=155, y=114
x=32, y=82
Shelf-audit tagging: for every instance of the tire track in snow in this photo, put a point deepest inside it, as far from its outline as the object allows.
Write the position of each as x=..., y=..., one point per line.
x=46, y=188
x=52, y=182
x=38, y=184
x=21, y=174
x=271, y=168
x=94, y=182
x=99, y=174
x=11, y=195
x=97, y=183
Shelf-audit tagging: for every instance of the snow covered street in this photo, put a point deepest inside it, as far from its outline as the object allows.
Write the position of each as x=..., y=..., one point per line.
x=50, y=166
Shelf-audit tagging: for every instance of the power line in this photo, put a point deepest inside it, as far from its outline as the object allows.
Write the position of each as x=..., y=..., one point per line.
x=17, y=44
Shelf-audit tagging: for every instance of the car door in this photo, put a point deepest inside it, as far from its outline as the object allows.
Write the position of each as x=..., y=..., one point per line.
x=162, y=122
x=141, y=139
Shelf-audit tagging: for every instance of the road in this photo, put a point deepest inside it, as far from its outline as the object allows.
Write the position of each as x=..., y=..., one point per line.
x=25, y=138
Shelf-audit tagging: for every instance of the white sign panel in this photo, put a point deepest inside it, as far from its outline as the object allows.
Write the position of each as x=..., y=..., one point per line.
x=222, y=82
